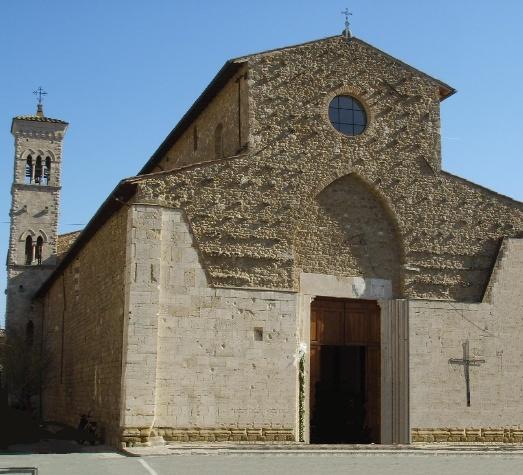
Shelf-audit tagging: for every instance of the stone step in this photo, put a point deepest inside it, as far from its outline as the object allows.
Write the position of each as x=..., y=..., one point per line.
x=301, y=448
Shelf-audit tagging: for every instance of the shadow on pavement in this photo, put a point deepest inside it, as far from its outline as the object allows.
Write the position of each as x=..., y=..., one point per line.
x=21, y=433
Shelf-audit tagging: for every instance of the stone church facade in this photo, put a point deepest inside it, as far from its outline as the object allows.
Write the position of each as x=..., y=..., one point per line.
x=278, y=273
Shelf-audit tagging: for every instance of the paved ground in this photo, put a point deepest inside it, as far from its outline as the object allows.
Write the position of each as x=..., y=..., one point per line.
x=197, y=461
x=52, y=449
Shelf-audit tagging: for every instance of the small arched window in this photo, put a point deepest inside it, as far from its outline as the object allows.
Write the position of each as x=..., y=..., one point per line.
x=29, y=333
x=47, y=171
x=29, y=170
x=28, y=250
x=39, y=249
x=38, y=170
x=218, y=141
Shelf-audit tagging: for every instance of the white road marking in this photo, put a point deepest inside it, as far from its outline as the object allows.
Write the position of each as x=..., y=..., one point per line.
x=148, y=467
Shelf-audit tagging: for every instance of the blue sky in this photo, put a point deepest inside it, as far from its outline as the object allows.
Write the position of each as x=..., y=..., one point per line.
x=122, y=73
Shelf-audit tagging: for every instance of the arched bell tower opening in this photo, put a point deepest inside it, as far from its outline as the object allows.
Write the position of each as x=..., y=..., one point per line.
x=28, y=250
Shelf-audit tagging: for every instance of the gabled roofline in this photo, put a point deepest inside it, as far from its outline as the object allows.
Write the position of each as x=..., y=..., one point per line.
x=127, y=187
x=283, y=48
x=228, y=70
x=445, y=89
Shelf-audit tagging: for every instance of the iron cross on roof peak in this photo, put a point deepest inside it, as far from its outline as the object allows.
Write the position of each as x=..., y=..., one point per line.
x=346, y=32
x=39, y=108
x=39, y=93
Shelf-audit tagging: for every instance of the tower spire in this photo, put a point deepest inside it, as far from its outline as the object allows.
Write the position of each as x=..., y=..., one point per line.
x=39, y=106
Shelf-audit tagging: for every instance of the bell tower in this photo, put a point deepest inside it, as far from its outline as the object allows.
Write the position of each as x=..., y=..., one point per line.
x=34, y=214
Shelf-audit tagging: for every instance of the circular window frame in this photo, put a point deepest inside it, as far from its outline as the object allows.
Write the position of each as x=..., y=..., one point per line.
x=357, y=94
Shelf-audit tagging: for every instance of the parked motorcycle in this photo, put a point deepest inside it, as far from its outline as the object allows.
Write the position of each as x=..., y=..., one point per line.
x=87, y=430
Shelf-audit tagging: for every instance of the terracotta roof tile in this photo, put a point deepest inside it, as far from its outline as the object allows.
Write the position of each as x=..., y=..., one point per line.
x=36, y=118
x=65, y=241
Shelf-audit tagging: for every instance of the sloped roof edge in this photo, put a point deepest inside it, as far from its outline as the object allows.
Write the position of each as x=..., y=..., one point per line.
x=224, y=74
x=35, y=118
x=283, y=48
x=116, y=199
x=127, y=187
x=449, y=90
x=471, y=184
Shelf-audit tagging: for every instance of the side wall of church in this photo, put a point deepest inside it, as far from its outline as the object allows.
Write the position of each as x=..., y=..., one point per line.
x=202, y=363
x=230, y=108
x=494, y=330
x=83, y=328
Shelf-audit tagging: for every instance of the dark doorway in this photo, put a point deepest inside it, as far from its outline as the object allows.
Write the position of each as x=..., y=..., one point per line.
x=345, y=372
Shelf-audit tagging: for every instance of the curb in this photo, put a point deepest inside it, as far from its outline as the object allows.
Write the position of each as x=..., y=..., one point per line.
x=306, y=449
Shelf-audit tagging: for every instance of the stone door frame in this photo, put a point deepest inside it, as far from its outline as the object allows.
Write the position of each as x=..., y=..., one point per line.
x=395, y=426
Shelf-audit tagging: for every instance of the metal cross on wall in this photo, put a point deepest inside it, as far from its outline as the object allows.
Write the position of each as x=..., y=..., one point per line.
x=466, y=362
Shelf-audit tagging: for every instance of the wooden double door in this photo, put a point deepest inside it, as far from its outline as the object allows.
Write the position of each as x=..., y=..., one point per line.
x=345, y=369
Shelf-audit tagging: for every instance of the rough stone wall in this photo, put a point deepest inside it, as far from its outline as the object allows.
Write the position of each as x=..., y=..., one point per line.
x=38, y=218
x=494, y=330
x=352, y=235
x=230, y=108
x=197, y=367
x=246, y=212
x=83, y=332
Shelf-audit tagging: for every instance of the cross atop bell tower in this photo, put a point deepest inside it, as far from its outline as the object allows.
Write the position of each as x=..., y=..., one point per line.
x=34, y=210
x=40, y=107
